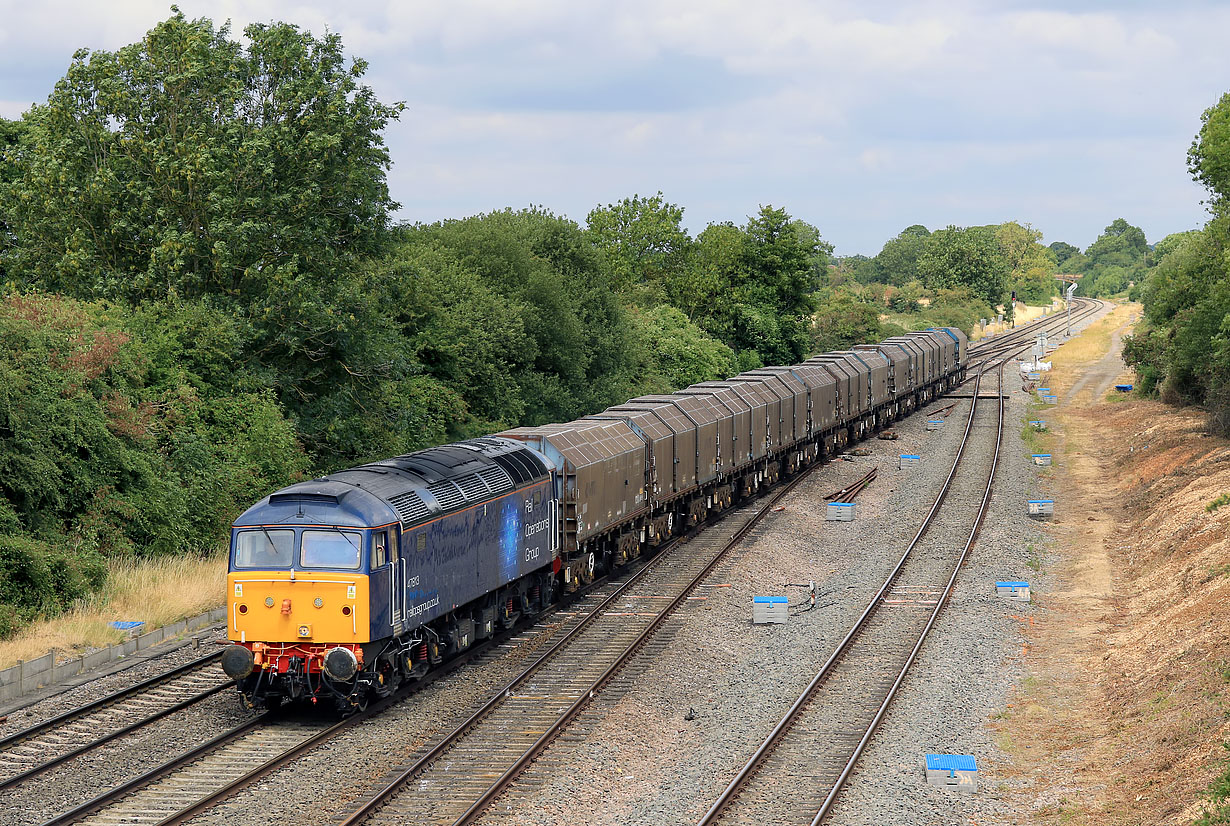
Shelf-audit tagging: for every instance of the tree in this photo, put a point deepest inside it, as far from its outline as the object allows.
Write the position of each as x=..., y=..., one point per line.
x=965, y=257
x=1032, y=265
x=753, y=287
x=897, y=262
x=192, y=162
x=1182, y=348
x=1017, y=242
x=579, y=355
x=842, y=321
x=1208, y=159
x=1063, y=251
x=785, y=258
x=10, y=136
x=714, y=268
x=643, y=238
x=1120, y=241
x=1117, y=257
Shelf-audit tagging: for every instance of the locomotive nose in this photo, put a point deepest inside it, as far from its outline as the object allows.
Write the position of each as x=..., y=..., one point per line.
x=237, y=662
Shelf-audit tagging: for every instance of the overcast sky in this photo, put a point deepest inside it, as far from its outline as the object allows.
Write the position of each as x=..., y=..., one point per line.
x=860, y=118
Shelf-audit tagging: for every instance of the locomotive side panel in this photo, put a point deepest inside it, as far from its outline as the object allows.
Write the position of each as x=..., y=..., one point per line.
x=459, y=557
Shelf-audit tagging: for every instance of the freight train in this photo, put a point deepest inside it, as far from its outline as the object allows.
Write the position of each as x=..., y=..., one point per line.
x=344, y=587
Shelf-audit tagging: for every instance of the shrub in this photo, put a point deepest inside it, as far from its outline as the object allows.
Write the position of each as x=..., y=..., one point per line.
x=38, y=576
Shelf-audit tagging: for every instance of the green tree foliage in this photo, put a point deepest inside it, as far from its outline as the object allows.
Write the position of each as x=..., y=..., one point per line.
x=897, y=262
x=112, y=442
x=1209, y=156
x=1117, y=258
x=1182, y=349
x=10, y=134
x=573, y=348
x=672, y=352
x=1032, y=266
x=97, y=442
x=249, y=177
x=905, y=299
x=643, y=239
x=190, y=161
x=38, y=577
x=1063, y=251
x=855, y=268
x=965, y=257
x=753, y=287
x=842, y=321
x=958, y=307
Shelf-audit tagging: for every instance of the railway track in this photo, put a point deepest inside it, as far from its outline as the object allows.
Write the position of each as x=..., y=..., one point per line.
x=192, y=782
x=458, y=777
x=1010, y=342
x=797, y=772
x=39, y=748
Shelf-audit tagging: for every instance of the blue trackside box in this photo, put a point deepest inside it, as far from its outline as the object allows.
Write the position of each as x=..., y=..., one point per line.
x=1123, y=388
x=956, y=772
x=770, y=610
x=951, y=762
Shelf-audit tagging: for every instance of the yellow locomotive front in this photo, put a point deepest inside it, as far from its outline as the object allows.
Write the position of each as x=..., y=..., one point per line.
x=299, y=605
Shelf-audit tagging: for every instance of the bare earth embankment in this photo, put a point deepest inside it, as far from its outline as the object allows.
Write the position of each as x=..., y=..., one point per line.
x=1123, y=714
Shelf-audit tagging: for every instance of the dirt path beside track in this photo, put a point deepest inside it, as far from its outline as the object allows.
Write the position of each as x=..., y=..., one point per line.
x=1124, y=709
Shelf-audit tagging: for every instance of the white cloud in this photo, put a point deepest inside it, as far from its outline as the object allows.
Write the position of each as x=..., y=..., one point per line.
x=861, y=118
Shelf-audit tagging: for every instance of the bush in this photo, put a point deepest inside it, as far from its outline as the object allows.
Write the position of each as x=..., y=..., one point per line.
x=39, y=576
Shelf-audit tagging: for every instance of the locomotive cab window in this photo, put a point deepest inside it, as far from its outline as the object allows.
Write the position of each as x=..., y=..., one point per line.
x=380, y=549
x=264, y=549
x=330, y=549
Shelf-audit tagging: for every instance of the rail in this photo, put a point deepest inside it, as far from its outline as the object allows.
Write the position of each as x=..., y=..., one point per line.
x=782, y=730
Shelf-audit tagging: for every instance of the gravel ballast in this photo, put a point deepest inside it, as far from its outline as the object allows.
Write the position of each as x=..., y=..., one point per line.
x=665, y=738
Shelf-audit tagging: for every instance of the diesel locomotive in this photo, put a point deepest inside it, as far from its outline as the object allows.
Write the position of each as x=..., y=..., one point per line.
x=343, y=587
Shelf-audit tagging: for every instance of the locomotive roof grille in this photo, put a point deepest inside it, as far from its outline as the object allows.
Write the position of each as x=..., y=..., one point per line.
x=521, y=467
x=410, y=507
x=294, y=498
x=472, y=487
x=496, y=479
x=448, y=494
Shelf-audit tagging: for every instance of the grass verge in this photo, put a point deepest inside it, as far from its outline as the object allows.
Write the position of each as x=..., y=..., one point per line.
x=158, y=591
